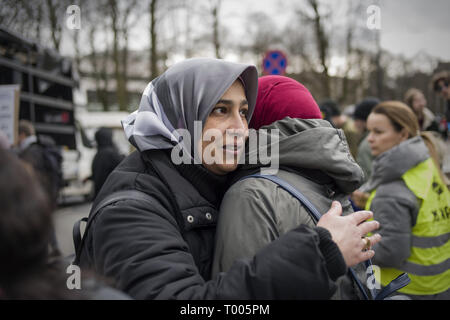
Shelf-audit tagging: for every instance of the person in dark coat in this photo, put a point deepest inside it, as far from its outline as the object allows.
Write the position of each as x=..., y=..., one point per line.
x=27, y=270
x=162, y=247
x=106, y=159
x=440, y=83
x=32, y=150
x=46, y=160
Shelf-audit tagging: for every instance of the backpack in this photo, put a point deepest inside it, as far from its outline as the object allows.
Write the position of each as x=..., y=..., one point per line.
x=398, y=283
x=79, y=238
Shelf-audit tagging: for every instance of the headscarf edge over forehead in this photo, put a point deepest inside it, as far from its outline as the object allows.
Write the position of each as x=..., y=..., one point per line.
x=185, y=93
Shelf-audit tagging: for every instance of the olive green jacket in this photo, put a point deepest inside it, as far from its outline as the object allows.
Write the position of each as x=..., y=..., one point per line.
x=314, y=158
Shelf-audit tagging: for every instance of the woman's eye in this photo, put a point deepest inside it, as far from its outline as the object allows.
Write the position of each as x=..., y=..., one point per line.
x=244, y=112
x=220, y=110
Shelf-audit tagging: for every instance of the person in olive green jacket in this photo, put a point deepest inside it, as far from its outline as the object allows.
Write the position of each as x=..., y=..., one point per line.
x=313, y=157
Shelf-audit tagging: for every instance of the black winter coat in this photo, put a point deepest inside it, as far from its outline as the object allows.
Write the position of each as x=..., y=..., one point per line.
x=106, y=159
x=165, y=251
x=48, y=176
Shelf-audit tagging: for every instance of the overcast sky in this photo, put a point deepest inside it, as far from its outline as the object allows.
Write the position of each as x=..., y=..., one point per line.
x=407, y=26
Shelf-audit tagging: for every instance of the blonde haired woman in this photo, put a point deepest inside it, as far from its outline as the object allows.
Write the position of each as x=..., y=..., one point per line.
x=411, y=202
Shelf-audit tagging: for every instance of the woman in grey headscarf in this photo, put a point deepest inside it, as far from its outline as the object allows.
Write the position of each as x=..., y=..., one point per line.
x=160, y=245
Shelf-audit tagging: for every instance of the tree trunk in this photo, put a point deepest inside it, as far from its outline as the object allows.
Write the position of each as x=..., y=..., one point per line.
x=104, y=76
x=216, y=38
x=349, y=52
x=322, y=47
x=55, y=25
x=131, y=5
x=76, y=44
x=96, y=72
x=125, y=68
x=38, y=22
x=153, y=41
x=116, y=56
x=188, y=46
x=380, y=73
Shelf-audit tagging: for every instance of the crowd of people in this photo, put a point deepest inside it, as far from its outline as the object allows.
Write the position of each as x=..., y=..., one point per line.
x=216, y=225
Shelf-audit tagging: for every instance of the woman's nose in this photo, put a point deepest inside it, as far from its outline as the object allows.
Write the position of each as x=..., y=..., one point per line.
x=238, y=122
x=237, y=127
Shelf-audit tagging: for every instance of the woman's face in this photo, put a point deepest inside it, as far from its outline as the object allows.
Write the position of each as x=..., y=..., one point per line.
x=225, y=131
x=382, y=134
x=418, y=103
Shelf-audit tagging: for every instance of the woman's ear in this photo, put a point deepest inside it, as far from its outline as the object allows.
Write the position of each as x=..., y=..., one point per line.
x=404, y=135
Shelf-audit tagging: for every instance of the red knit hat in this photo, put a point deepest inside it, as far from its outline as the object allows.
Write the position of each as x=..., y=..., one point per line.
x=280, y=97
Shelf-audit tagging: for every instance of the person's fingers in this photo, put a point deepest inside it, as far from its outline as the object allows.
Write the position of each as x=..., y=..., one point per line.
x=368, y=226
x=360, y=198
x=357, y=194
x=374, y=239
x=362, y=256
x=361, y=216
x=336, y=209
x=366, y=255
x=366, y=243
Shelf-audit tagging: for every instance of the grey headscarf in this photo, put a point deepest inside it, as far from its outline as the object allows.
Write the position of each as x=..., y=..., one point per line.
x=185, y=93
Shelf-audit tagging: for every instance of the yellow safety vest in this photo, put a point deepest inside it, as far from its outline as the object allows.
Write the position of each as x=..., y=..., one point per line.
x=428, y=265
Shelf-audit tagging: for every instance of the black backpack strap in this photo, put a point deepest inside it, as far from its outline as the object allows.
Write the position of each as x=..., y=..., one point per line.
x=78, y=240
x=76, y=235
x=401, y=281
x=311, y=208
x=396, y=284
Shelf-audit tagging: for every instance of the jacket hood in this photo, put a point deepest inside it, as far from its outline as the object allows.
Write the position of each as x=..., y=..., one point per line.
x=104, y=137
x=392, y=164
x=315, y=145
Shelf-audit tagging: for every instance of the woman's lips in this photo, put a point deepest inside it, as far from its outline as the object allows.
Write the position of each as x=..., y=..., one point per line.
x=233, y=148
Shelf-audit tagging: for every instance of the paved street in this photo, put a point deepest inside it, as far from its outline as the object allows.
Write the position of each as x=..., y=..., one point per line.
x=64, y=218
